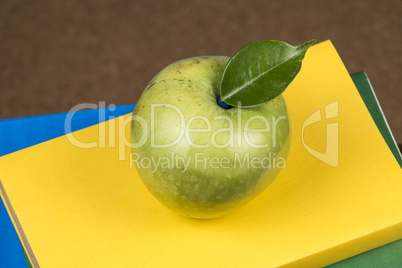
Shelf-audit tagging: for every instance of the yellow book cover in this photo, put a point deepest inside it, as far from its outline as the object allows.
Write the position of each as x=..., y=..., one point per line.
x=339, y=195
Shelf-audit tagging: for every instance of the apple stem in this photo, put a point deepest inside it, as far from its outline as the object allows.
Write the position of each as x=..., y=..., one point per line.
x=222, y=104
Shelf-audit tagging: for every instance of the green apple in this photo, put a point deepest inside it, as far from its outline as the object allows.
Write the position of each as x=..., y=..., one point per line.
x=197, y=158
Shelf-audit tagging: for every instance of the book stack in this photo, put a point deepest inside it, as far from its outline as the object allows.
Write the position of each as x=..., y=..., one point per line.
x=79, y=206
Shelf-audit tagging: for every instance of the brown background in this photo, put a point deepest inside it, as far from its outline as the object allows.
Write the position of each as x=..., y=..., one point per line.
x=57, y=54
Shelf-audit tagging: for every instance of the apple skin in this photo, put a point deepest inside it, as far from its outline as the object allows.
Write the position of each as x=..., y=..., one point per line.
x=192, y=86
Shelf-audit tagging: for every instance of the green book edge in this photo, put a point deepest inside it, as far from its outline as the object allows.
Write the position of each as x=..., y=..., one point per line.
x=26, y=258
x=366, y=91
x=387, y=255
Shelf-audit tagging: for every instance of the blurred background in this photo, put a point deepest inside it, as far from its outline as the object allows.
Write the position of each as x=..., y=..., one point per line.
x=57, y=54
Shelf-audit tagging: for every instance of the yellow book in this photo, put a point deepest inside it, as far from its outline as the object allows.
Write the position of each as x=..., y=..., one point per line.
x=340, y=194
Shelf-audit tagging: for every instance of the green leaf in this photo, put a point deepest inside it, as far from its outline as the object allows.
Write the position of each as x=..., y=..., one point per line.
x=260, y=72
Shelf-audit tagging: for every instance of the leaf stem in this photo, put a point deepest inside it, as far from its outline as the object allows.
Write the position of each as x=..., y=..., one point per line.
x=222, y=104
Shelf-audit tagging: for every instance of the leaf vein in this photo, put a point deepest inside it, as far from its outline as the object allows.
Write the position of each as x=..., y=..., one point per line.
x=235, y=91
